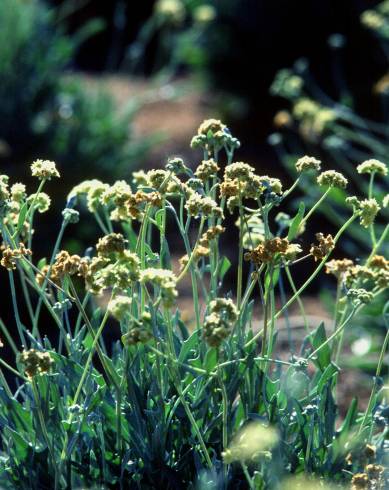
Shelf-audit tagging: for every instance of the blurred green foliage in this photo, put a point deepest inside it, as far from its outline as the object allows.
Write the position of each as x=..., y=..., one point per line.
x=333, y=127
x=42, y=112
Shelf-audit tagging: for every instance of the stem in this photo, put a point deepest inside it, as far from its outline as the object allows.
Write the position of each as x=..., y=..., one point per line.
x=16, y=309
x=377, y=374
x=44, y=432
x=240, y=258
x=315, y=206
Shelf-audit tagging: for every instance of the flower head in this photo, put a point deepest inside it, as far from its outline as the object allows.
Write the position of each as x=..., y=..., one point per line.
x=18, y=192
x=369, y=209
x=372, y=166
x=41, y=201
x=306, y=163
x=324, y=246
x=332, y=179
x=44, y=169
x=120, y=307
x=221, y=317
x=35, y=362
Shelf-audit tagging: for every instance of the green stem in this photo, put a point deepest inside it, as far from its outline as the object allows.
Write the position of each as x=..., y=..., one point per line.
x=16, y=309
x=45, y=433
x=315, y=206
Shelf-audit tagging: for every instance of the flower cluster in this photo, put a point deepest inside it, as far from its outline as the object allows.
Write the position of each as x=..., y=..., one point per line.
x=165, y=280
x=198, y=206
x=212, y=135
x=372, y=166
x=10, y=256
x=35, y=362
x=332, y=179
x=219, y=321
x=44, y=169
x=207, y=169
x=64, y=264
x=140, y=331
x=120, y=307
x=306, y=163
x=324, y=246
x=271, y=249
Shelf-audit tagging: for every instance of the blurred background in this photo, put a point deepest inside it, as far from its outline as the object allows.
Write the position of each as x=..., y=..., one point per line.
x=106, y=88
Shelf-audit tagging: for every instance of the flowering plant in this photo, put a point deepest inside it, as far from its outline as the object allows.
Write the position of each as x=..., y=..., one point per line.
x=211, y=401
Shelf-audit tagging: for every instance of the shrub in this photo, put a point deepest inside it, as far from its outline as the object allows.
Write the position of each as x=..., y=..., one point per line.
x=205, y=402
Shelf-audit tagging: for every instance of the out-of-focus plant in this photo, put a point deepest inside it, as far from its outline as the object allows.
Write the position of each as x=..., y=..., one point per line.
x=41, y=112
x=179, y=29
x=331, y=128
x=207, y=402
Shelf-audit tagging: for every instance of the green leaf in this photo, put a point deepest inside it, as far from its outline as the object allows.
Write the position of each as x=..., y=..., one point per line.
x=294, y=226
x=188, y=345
x=159, y=218
x=224, y=267
x=324, y=355
x=22, y=217
x=210, y=361
x=330, y=370
x=42, y=262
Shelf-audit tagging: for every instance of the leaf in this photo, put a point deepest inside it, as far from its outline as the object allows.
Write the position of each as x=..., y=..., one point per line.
x=324, y=354
x=159, y=218
x=330, y=370
x=210, y=361
x=294, y=226
x=22, y=217
x=224, y=267
x=188, y=345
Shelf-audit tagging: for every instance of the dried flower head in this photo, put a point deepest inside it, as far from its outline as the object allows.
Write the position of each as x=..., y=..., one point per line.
x=35, y=362
x=306, y=163
x=109, y=244
x=207, y=169
x=10, y=256
x=177, y=166
x=44, y=169
x=213, y=125
x=379, y=262
x=140, y=331
x=272, y=248
x=372, y=166
x=211, y=234
x=221, y=317
x=324, y=246
x=338, y=267
x=332, y=179
x=197, y=206
x=360, y=481
x=374, y=471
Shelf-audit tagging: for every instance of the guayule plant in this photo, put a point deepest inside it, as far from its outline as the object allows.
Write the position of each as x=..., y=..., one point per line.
x=206, y=402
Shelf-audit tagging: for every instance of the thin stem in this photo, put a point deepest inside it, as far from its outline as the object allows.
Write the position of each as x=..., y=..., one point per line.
x=16, y=309
x=44, y=432
x=314, y=207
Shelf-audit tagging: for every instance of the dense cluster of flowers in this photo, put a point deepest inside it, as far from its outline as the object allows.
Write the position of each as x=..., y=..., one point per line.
x=170, y=371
